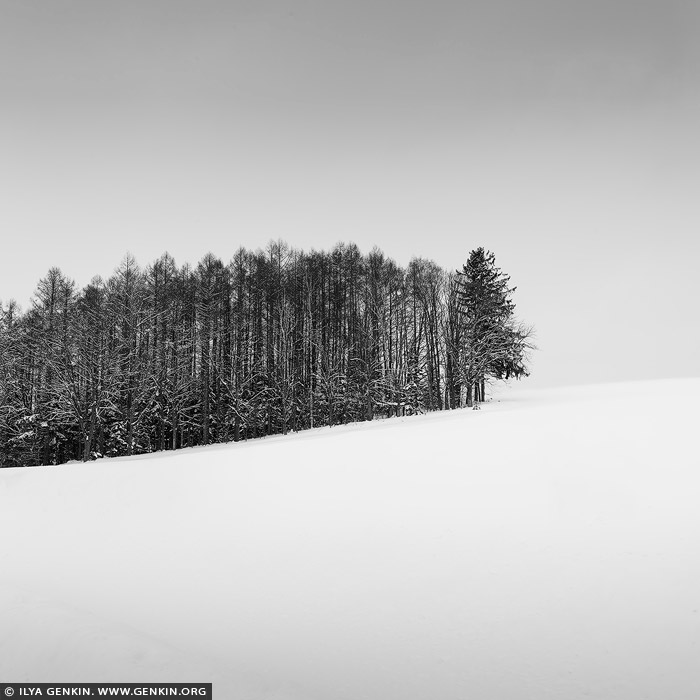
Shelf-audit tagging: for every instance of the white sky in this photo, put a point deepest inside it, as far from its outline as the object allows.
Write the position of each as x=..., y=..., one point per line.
x=561, y=135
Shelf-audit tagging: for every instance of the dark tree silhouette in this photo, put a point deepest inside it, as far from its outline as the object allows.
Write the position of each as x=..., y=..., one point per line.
x=275, y=341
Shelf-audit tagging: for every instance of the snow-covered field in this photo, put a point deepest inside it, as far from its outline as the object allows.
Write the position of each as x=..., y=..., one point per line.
x=547, y=546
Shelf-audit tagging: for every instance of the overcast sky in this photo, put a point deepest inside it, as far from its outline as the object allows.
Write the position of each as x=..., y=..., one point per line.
x=561, y=135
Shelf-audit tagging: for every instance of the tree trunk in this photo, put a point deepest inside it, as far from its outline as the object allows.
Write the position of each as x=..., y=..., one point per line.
x=89, y=438
x=173, y=423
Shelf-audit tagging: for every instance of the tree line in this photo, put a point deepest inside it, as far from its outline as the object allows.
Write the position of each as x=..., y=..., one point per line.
x=276, y=340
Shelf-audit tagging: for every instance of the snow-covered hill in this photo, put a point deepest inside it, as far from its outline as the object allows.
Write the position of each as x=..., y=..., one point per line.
x=547, y=546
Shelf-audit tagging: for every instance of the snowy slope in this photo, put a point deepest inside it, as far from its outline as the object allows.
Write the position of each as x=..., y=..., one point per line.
x=547, y=546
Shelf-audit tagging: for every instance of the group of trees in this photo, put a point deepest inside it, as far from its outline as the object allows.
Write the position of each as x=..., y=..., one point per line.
x=277, y=340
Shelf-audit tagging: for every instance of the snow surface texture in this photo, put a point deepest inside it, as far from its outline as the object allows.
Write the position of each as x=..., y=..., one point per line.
x=547, y=546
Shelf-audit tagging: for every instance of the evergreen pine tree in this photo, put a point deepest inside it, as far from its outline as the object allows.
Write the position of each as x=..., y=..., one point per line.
x=492, y=344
